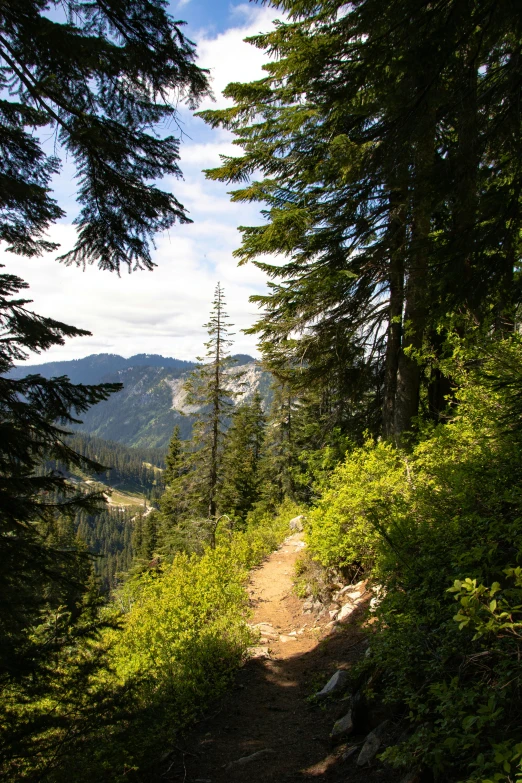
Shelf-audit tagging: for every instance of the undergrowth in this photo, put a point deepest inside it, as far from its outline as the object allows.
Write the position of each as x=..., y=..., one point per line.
x=440, y=527
x=176, y=636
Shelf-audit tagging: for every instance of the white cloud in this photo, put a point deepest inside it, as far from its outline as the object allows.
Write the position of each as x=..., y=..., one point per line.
x=227, y=55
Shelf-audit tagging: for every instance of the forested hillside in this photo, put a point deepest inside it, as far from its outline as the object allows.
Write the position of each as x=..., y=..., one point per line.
x=133, y=480
x=152, y=401
x=383, y=146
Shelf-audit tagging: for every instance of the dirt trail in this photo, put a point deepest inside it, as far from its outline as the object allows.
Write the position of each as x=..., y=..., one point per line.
x=267, y=710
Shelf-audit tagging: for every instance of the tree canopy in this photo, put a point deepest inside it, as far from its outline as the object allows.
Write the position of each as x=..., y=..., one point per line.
x=387, y=136
x=102, y=76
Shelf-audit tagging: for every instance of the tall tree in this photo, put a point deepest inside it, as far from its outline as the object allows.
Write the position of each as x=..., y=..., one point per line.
x=241, y=459
x=34, y=562
x=367, y=168
x=102, y=75
x=189, y=506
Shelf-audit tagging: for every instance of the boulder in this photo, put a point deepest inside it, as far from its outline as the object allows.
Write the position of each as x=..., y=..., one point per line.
x=371, y=745
x=345, y=612
x=343, y=727
x=296, y=523
x=335, y=684
x=287, y=638
x=267, y=630
x=349, y=752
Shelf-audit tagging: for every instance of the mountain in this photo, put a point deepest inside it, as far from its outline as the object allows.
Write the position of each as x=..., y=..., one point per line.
x=152, y=401
x=96, y=367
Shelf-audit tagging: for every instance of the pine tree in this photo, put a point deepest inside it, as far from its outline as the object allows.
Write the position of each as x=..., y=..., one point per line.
x=36, y=567
x=240, y=486
x=380, y=130
x=279, y=459
x=102, y=78
x=173, y=460
x=207, y=388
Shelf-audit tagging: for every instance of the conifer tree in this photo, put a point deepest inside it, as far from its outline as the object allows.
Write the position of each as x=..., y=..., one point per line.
x=189, y=506
x=102, y=75
x=380, y=183
x=35, y=565
x=241, y=479
x=279, y=457
x=173, y=460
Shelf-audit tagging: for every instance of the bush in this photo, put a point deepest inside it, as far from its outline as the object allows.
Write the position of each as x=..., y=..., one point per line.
x=444, y=521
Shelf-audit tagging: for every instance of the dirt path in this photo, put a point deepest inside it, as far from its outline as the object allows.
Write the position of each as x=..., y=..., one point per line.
x=268, y=711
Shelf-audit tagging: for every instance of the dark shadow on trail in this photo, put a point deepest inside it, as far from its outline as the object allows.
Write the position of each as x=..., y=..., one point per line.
x=268, y=709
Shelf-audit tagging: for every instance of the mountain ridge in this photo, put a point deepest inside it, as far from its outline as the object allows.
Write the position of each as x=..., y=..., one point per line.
x=152, y=401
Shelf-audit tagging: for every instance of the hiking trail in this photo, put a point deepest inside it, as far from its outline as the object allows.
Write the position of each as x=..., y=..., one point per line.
x=265, y=729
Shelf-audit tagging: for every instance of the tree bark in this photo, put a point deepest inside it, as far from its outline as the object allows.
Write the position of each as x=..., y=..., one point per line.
x=397, y=244
x=416, y=289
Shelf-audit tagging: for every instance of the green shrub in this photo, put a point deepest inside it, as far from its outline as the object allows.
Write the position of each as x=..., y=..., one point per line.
x=366, y=497
x=445, y=516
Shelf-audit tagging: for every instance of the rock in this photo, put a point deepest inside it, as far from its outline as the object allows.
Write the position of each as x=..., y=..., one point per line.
x=247, y=759
x=284, y=637
x=343, y=726
x=371, y=745
x=308, y=606
x=349, y=752
x=353, y=595
x=297, y=523
x=335, y=684
x=345, y=612
x=258, y=652
x=267, y=630
x=333, y=614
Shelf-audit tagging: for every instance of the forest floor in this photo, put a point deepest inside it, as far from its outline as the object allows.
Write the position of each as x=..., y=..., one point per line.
x=268, y=708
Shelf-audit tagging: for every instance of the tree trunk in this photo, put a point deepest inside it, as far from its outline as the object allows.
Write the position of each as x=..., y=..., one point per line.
x=397, y=244
x=416, y=291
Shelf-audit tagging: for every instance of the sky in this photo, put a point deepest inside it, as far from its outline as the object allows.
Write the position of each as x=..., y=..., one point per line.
x=163, y=311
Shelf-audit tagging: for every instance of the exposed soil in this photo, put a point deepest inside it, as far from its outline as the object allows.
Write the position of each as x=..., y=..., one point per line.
x=268, y=707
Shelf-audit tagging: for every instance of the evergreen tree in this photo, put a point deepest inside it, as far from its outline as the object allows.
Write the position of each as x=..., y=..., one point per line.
x=101, y=75
x=279, y=459
x=241, y=480
x=208, y=389
x=190, y=504
x=36, y=566
x=173, y=460
x=380, y=130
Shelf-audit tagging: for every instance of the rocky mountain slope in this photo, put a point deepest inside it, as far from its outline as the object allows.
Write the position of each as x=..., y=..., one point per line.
x=152, y=401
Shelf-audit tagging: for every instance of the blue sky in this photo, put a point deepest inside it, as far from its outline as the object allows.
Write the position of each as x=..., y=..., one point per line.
x=163, y=311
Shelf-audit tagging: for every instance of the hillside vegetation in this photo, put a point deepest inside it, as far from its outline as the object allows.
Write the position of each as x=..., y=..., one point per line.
x=383, y=147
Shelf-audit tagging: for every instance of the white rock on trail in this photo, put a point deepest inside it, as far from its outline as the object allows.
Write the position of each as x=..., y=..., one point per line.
x=335, y=684
x=297, y=523
x=258, y=652
x=247, y=759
